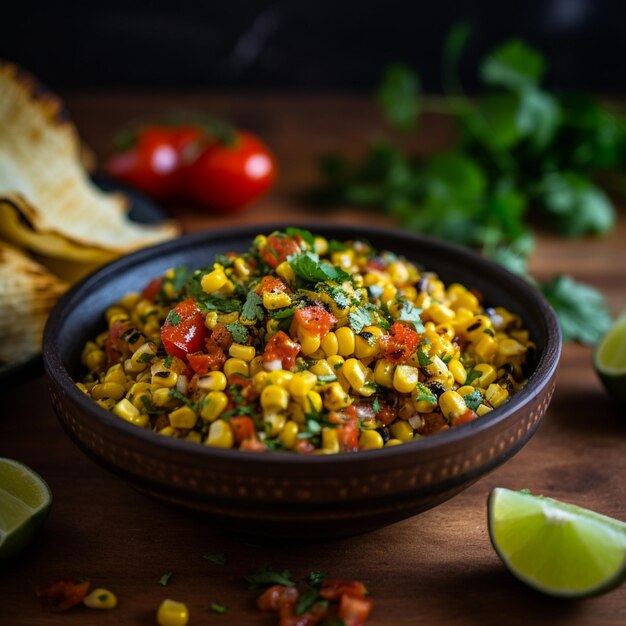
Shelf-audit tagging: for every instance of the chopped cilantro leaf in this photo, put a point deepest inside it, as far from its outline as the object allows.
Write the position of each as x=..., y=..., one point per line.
x=488, y=331
x=376, y=405
x=173, y=318
x=422, y=357
x=216, y=559
x=425, y=394
x=103, y=597
x=165, y=579
x=315, y=578
x=359, y=319
x=336, y=246
x=223, y=260
x=375, y=291
x=239, y=332
x=339, y=296
x=309, y=267
x=305, y=234
x=145, y=357
x=410, y=313
x=252, y=308
x=216, y=607
x=266, y=577
x=472, y=376
x=167, y=362
x=473, y=400
x=306, y=601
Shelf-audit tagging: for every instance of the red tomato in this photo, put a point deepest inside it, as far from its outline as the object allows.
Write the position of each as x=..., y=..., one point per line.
x=63, y=594
x=253, y=445
x=333, y=589
x=227, y=177
x=278, y=248
x=242, y=427
x=468, y=416
x=204, y=362
x=184, y=331
x=153, y=164
x=433, y=423
x=116, y=348
x=151, y=290
x=347, y=429
x=276, y=596
x=400, y=343
x=315, y=319
x=270, y=284
x=354, y=611
x=386, y=414
x=281, y=348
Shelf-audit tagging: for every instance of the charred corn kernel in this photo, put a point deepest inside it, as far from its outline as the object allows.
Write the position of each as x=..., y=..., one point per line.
x=137, y=392
x=213, y=281
x=309, y=342
x=288, y=434
x=335, y=362
x=511, y=348
x=296, y=412
x=483, y=409
x=322, y=368
x=366, y=344
x=194, y=436
x=211, y=319
x=329, y=344
x=355, y=372
x=161, y=397
x=445, y=330
x=452, y=404
x=394, y=442
x=241, y=268
x=163, y=377
x=213, y=381
x=256, y=365
x=106, y=403
x=280, y=377
x=476, y=327
x=405, y=378
x=213, y=405
x=487, y=375
x=274, y=423
x=184, y=417
x=345, y=341
x=302, y=383
x=496, y=395
x=423, y=400
x=344, y=258
x=440, y=314
x=95, y=360
x=239, y=351
x=228, y=318
x=172, y=613
x=370, y=440
x=278, y=300
x=437, y=368
x=383, y=373
x=235, y=366
x=335, y=398
x=402, y=431
x=100, y=598
x=458, y=371
x=286, y=273
x=330, y=440
x=274, y=397
x=129, y=413
x=115, y=374
x=465, y=390
x=220, y=435
x=114, y=391
x=486, y=347
x=145, y=354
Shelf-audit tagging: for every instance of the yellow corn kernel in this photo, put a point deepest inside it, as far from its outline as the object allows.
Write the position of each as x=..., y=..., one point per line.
x=213, y=381
x=309, y=342
x=259, y=380
x=100, y=598
x=213, y=405
x=317, y=355
x=483, y=409
x=398, y=272
x=510, y=348
x=476, y=327
x=389, y=293
x=401, y=430
x=162, y=377
x=296, y=412
x=228, y=318
x=211, y=319
x=343, y=258
x=95, y=360
x=465, y=390
x=405, y=378
x=329, y=344
x=366, y=343
x=486, y=347
x=423, y=400
x=461, y=297
x=452, y=404
x=256, y=365
x=355, y=373
x=115, y=314
x=445, y=330
x=184, y=417
x=330, y=440
x=335, y=362
x=277, y=300
x=521, y=335
x=274, y=423
x=220, y=435
x=323, y=368
x=302, y=383
x=345, y=341
x=487, y=375
x=310, y=403
x=241, y=268
x=235, y=366
x=213, y=281
x=137, y=392
x=394, y=442
x=106, y=403
x=408, y=293
x=320, y=245
x=343, y=381
x=172, y=613
x=280, y=377
x=115, y=374
x=496, y=395
x=458, y=371
x=259, y=242
x=114, y=391
x=239, y=351
x=335, y=398
x=286, y=273
x=194, y=436
x=370, y=440
x=288, y=434
x=383, y=373
x=274, y=397
x=161, y=397
x=440, y=314
x=130, y=413
x=437, y=369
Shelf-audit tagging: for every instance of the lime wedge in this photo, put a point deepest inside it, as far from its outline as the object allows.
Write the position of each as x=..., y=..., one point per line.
x=610, y=359
x=25, y=501
x=560, y=549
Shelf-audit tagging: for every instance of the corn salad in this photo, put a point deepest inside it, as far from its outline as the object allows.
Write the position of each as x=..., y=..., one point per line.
x=306, y=345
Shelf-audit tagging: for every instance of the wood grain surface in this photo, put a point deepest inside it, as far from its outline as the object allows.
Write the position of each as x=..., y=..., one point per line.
x=437, y=568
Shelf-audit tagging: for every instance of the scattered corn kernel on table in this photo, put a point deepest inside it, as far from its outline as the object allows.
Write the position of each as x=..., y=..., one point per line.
x=437, y=568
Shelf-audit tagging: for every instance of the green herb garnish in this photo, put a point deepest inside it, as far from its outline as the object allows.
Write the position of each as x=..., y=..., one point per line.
x=309, y=267
x=239, y=332
x=216, y=607
x=165, y=579
x=266, y=577
x=216, y=559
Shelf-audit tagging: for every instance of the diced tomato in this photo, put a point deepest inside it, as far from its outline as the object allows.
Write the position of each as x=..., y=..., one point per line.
x=278, y=248
x=271, y=284
x=433, y=423
x=304, y=446
x=204, y=362
x=315, y=319
x=253, y=445
x=242, y=427
x=115, y=348
x=468, y=416
x=63, y=594
x=386, y=414
x=354, y=611
x=184, y=331
x=220, y=337
x=333, y=589
x=276, y=596
x=400, y=343
x=281, y=348
x=151, y=290
x=313, y=616
x=347, y=429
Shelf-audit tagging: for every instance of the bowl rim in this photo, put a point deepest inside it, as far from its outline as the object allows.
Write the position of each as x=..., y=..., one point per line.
x=539, y=378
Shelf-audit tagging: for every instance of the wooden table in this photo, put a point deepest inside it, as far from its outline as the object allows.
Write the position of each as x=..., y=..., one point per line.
x=437, y=568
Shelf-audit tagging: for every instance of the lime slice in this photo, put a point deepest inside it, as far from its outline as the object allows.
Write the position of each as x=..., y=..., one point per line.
x=557, y=548
x=610, y=359
x=25, y=501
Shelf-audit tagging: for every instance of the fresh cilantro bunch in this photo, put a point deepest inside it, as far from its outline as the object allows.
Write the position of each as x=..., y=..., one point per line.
x=522, y=155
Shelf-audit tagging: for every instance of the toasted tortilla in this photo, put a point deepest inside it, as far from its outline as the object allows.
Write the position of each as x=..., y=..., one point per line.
x=42, y=177
x=27, y=293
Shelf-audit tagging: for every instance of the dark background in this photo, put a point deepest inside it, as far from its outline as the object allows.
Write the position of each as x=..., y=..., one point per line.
x=329, y=44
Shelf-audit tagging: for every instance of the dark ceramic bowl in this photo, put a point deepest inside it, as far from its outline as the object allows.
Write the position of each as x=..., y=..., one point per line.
x=288, y=494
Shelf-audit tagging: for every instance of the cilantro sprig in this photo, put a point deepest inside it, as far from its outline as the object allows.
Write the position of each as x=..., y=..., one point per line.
x=266, y=577
x=310, y=268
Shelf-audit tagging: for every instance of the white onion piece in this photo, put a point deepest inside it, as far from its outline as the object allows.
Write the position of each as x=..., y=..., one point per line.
x=416, y=421
x=272, y=366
